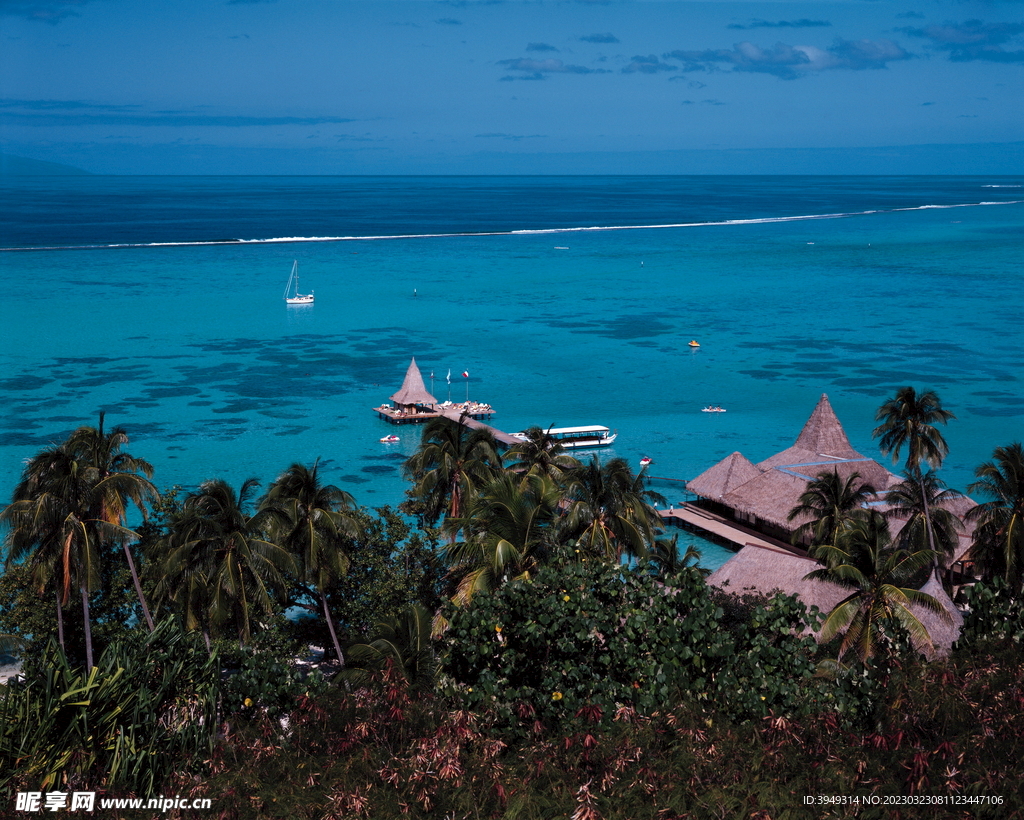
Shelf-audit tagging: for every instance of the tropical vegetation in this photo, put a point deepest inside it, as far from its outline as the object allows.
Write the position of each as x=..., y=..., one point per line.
x=522, y=639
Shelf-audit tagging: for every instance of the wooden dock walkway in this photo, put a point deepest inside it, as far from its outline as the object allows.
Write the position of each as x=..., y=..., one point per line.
x=501, y=437
x=692, y=517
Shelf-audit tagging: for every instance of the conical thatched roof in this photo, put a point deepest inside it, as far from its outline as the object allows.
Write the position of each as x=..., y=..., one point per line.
x=764, y=570
x=943, y=633
x=413, y=390
x=822, y=438
x=725, y=476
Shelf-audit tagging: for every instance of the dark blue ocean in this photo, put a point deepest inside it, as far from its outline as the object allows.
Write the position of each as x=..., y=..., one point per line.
x=569, y=300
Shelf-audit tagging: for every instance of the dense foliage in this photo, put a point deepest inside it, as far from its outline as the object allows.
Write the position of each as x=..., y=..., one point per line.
x=308, y=658
x=595, y=637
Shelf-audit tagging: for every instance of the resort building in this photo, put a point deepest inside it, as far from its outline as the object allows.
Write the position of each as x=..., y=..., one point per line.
x=413, y=404
x=412, y=397
x=761, y=495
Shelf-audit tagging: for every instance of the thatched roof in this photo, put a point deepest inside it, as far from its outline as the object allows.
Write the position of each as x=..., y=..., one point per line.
x=756, y=569
x=728, y=474
x=823, y=446
x=413, y=390
x=943, y=633
x=822, y=435
x=770, y=489
x=770, y=496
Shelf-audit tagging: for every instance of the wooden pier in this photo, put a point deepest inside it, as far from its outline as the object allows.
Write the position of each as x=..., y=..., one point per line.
x=420, y=414
x=475, y=424
x=692, y=517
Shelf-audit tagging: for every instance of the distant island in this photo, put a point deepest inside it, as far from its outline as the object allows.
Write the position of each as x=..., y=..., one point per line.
x=12, y=166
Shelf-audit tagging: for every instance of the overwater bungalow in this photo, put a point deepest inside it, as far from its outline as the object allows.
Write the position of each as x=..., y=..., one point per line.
x=412, y=403
x=761, y=495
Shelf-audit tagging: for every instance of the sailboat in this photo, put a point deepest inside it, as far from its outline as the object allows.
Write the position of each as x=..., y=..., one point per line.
x=292, y=288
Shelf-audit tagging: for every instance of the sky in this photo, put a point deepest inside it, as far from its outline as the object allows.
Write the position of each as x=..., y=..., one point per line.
x=514, y=86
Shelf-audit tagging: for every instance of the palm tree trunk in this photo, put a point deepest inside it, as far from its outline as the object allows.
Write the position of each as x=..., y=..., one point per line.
x=60, y=622
x=138, y=586
x=928, y=529
x=330, y=626
x=88, y=629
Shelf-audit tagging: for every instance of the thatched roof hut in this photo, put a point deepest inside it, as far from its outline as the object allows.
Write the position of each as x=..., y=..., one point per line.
x=768, y=498
x=413, y=392
x=942, y=632
x=756, y=569
x=773, y=487
x=723, y=477
x=822, y=435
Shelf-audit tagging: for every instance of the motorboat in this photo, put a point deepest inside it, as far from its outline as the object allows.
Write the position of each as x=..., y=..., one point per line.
x=645, y=461
x=713, y=409
x=572, y=438
x=693, y=343
x=392, y=439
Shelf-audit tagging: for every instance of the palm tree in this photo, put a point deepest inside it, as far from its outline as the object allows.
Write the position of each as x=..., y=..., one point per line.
x=832, y=503
x=118, y=479
x=999, y=537
x=908, y=420
x=508, y=527
x=218, y=565
x=404, y=641
x=50, y=526
x=541, y=454
x=451, y=462
x=879, y=577
x=664, y=558
x=607, y=510
x=910, y=499
x=312, y=521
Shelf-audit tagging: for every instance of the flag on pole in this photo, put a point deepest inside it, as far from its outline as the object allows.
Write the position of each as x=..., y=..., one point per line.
x=465, y=374
x=449, y=375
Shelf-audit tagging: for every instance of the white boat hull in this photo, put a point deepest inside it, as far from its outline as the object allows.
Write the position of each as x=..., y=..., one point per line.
x=576, y=444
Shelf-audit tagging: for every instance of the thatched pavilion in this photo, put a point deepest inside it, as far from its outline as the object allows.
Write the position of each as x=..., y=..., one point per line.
x=761, y=495
x=757, y=570
x=412, y=402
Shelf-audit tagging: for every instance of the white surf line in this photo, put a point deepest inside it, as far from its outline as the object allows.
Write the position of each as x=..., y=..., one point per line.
x=516, y=232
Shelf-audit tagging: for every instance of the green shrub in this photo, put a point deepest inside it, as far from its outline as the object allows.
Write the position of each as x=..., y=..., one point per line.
x=146, y=710
x=588, y=638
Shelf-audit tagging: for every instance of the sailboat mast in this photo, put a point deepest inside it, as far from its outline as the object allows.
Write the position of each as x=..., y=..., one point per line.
x=293, y=277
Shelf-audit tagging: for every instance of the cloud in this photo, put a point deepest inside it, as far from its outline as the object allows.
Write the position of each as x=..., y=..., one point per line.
x=802, y=23
x=972, y=40
x=448, y=21
x=790, y=62
x=45, y=11
x=647, y=65
x=537, y=69
x=540, y=47
x=910, y=15
x=78, y=112
x=703, y=102
x=600, y=38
